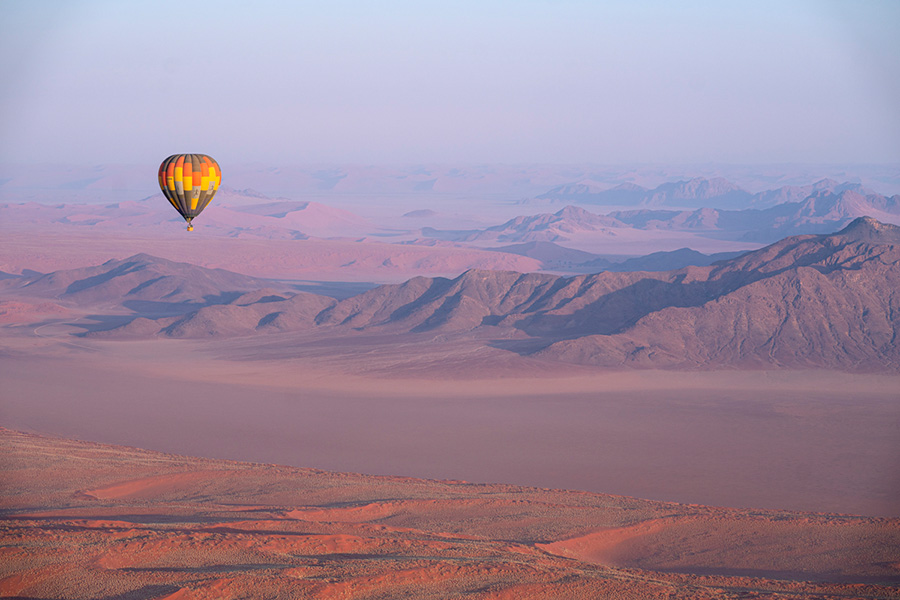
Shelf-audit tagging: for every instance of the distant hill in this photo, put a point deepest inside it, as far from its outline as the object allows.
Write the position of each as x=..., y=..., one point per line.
x=661, y=261
x=592, y=192
x=699, y=192
x=825, y=210
x=792, y=193
x=259, y=312
x=821, y=212
x=556, y=257
x=422, y=213
x=143, y=279
x=311, y=218
x=545, y=227
x=552, y=255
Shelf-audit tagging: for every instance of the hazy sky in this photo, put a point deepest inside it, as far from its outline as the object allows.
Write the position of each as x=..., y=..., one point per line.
x=564, y=81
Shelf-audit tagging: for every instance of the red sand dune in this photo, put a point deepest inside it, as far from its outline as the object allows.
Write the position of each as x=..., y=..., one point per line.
x=83, y=520
x=757, y=546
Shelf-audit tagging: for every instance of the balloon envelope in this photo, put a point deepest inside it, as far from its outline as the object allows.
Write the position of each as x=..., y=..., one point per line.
x=189, y=182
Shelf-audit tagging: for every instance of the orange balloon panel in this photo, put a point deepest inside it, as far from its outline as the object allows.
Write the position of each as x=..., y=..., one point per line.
x=189, y=182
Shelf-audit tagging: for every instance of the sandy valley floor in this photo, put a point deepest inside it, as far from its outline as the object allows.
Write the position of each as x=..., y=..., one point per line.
x=809, y=441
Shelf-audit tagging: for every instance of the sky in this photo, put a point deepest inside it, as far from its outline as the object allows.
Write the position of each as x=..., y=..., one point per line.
x=489, y=81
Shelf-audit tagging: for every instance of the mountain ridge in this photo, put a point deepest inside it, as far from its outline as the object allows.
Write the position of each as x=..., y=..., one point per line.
x=141, y=277
x=738, y=312
x=821, y=211
x=696, y=192
x=826, y=301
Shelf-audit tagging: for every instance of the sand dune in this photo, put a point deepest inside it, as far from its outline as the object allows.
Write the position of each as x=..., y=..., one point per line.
x=101, y=521
x=835, y=549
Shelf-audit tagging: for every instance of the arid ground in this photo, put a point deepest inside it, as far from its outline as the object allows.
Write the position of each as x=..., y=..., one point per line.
x=798, y=440
x=418, y=440
x=85, y=520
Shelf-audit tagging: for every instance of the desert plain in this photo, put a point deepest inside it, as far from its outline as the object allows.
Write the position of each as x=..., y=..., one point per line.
x=495, y=409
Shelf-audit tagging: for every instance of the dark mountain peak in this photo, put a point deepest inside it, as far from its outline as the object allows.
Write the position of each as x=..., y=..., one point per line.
x=141, y=257
x=716, y=185
x=574, y=212
x=422, y=212
x=142, y=261
x=480, y=276
x=698, y=192
x=821, y=251
x=836, y=192
x=629, y=187
x=552, y=255
x=825, y=184
x=720, y=185
x=681, y=253
x=867, y=229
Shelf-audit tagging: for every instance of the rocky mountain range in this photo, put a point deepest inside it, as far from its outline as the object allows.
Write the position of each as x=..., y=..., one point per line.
x=693, y=192
x=822, y=211
x=698, y=192
x=807, y=301
x=823, y=301
x=824, y=207
x=544, y=227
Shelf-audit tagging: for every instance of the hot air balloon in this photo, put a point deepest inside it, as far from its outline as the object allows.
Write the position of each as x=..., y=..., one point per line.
x=189, y=182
